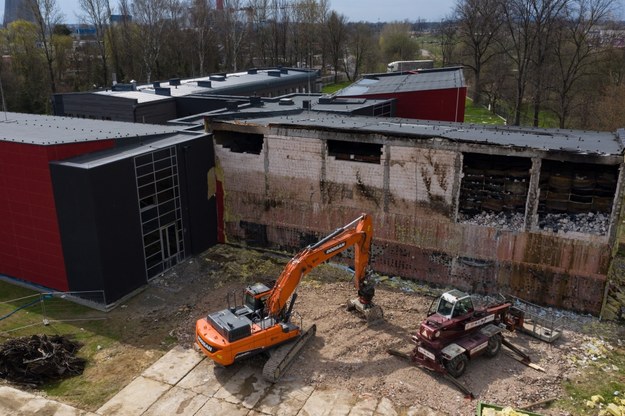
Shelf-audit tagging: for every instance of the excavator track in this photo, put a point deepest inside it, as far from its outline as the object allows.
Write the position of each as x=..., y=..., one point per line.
x=281, y=357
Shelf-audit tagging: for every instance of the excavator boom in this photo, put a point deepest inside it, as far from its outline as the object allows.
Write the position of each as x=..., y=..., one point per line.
x=357, y=233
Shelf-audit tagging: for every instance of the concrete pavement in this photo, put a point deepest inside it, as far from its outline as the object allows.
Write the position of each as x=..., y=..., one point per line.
x=184, y=382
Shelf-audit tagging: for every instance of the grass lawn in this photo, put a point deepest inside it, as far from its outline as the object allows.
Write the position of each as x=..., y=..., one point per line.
x=115, y=349
x=480, y=115
x=332, y=88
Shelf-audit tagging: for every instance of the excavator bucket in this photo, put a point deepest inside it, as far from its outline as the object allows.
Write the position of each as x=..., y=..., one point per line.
x=372, y=313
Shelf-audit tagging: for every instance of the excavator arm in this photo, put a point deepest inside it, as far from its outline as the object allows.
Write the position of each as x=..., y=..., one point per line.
x=357, y=233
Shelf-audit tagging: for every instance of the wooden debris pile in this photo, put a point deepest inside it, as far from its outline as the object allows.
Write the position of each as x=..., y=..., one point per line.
x=37, y=359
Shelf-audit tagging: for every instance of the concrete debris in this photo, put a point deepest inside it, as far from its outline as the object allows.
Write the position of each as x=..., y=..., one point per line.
x=590, y=351
x=588, y=223
x=512, y=221
x=615, y=408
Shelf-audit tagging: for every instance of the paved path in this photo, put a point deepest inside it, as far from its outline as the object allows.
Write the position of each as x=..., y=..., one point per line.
x=184, y=382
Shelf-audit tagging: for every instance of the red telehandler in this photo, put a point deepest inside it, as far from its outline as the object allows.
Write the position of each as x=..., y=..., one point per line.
x=455, y=331
x=263, y=323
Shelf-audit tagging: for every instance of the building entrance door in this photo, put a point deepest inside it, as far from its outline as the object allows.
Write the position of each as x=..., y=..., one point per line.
x=169, y=245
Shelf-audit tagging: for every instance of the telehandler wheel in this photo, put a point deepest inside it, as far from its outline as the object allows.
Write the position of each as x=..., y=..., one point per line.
x=457, y=365
x=494, y=346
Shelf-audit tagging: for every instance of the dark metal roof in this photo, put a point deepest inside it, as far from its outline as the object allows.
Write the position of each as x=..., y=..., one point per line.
x=572, y=141
x=51, y=130
x=287, y=104
x=421, y=80
x=103, y=157
x=222, y=84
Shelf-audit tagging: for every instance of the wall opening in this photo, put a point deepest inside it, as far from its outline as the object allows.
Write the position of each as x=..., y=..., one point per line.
x=238, y=142
x=493, y=190
x=355, y=151
x=576, y=197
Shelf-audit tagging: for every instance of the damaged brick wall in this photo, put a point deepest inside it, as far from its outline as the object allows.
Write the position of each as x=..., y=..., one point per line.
x=298, y=189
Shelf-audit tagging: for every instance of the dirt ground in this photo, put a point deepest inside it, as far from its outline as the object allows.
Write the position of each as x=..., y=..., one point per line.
x=346, y=352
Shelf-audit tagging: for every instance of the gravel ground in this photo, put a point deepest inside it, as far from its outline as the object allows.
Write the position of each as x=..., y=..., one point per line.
x=350, y=354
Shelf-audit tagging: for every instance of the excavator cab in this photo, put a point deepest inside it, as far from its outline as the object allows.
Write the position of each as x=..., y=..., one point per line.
x=254, y=299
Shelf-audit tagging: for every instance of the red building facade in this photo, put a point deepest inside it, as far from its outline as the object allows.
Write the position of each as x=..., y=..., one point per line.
x=30, y=242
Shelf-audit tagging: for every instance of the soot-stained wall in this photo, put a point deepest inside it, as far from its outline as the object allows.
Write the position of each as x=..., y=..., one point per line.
x=302, y=184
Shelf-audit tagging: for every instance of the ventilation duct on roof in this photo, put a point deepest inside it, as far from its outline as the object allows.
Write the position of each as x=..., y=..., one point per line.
x=285, y=101
x=156, y=84
x=326, y=100
x=306, y=104
x=255, y=101
x=174, y=81
x=204, y=84
x=252, y=71
x=123, y=87
x=217, y=77
x=284, y=71
x=162, y=91
x=273, y=73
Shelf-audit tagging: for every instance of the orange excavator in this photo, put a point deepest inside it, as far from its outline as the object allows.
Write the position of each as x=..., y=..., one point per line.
x=263, y=323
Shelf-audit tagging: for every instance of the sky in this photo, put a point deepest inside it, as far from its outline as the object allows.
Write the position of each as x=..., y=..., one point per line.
x=354, y=10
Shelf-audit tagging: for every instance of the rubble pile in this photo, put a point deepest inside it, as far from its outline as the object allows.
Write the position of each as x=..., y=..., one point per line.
x=589, y=223
x=512, y=221
x=39, y=358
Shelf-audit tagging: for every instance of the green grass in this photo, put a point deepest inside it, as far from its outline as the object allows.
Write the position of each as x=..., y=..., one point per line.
x=480, y=115
x=432, y=44
x=89, y=328
x=595, y=380
x=332, y=88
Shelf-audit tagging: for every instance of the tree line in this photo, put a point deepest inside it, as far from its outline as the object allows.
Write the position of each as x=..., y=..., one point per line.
x=529, y=59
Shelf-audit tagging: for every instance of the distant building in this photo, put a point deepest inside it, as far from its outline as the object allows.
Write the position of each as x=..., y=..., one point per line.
x=120, y=18
x=17, y=10
x=427, y=94
x=162, y=101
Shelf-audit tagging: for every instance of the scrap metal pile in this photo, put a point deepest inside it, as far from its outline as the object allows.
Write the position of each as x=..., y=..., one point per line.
x=37, y=359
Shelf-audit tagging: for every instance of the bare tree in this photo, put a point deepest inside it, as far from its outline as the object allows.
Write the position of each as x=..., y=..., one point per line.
x=173, y=60
x=279, y=26
x=47, y=16
x=127, y=53
x=149, y=16
x=232, y=24
x=479, y=24
x=361, y=48
x=576, y=48
x=336, y=30
x=307, y=40
x=527, y=22
x=448, y=34
x=202, y=20
x=97, y=14
x=548, y=15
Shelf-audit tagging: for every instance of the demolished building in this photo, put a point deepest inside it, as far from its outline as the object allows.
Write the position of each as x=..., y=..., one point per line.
x=523, y=211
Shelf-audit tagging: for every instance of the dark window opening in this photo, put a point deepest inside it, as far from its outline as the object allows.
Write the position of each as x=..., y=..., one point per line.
x=355, y=151
x=383, y=110
x=576, y=197
x=493, y=190
x=240, y=142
